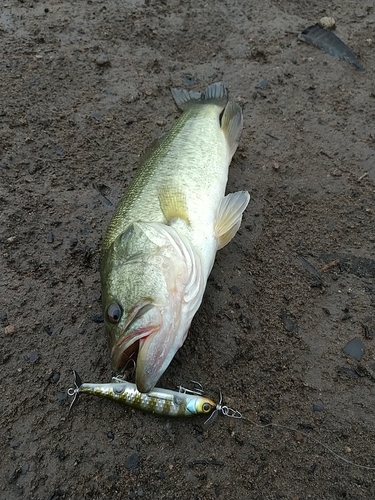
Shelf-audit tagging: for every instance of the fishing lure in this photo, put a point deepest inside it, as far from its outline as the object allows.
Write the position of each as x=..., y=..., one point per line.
x=181, y=403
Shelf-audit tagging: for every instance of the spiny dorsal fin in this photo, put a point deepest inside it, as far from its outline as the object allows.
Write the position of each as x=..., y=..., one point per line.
x=173, y=203
x=215, y=94
x=231, y=125
x=229, y=216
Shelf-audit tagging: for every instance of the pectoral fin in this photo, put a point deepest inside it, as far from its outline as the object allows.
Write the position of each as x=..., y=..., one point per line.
x=173, y=204
x=229, y=216
x=231, y=125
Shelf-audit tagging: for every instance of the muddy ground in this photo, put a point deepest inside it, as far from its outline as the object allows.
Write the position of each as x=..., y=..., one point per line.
x=84, y=89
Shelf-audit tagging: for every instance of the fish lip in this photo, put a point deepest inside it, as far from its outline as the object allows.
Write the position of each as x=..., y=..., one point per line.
x=124, y=350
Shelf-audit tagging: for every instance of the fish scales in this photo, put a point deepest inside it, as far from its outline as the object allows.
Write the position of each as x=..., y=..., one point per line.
x=171, y=164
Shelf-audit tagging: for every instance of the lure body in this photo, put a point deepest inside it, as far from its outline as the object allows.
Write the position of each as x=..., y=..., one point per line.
x=158, y=401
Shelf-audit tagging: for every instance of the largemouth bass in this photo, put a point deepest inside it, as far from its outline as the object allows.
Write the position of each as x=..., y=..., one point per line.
x=161, y=243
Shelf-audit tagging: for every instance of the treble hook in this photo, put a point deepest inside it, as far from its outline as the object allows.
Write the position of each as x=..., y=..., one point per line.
x=197, y=389
x=74, y=391
x=222, y=410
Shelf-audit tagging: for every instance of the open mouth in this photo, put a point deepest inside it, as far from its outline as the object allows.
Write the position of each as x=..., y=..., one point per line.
x=128, y=347
x=142, y=321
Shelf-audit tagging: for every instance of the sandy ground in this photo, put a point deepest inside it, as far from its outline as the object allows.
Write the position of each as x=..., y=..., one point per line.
x=84, y=89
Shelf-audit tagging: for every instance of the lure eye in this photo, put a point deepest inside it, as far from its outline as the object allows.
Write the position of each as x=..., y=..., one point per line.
x=114, y=313
x=206, y=407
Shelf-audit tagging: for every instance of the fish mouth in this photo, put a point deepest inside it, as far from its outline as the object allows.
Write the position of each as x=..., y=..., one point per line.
x=127, y=348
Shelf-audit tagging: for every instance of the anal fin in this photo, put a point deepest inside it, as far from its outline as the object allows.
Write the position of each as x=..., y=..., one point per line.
x=229, y=216
x=173, y=203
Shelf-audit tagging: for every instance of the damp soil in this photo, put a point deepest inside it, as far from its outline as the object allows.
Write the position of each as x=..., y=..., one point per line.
x=84, y=90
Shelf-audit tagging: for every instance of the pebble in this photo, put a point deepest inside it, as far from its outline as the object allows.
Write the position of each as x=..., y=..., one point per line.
x=110, y=435
x=33, y=357
x=4, y=317
x=355, y=348
x=55, y=377
x=348, y=372
x=50, y=237
x=25, y=468
x=47, y=329
x=103, y=60
x=188, y=80
x=327, y=23
x=9, y=330
x=262, y=84
x=132, y=462
x=97, y=318
x=298, y=436
x=73, y=241
x=318, y=406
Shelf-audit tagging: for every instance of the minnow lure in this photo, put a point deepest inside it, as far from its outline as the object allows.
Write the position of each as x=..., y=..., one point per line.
x=181, y=403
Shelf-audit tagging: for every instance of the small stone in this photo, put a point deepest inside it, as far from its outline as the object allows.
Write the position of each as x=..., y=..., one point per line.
x=9, y=330
x=318, y=406
x=110, y=435
x=188, y=80
x=132, y=461
x=25, y=468
x=103, y=60
x=348, y=372
x=47, y=329
x=33, y=357
x=160, y=475
x=4, y=317
x=327, y=23
x=355, y=348
x=50, y=237
x=298, y=436
x=73, y=241
x=97, y=318
x=55, y=377
x=59, y=151
x=262, y=84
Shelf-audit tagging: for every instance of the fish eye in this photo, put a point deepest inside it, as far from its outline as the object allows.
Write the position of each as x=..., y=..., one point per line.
x=206, y=407
x=114, y=313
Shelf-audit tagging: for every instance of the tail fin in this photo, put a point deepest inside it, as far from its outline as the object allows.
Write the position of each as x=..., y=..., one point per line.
x=214, y=94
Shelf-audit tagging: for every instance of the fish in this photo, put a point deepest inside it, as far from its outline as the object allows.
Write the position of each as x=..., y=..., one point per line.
x=160, y=245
